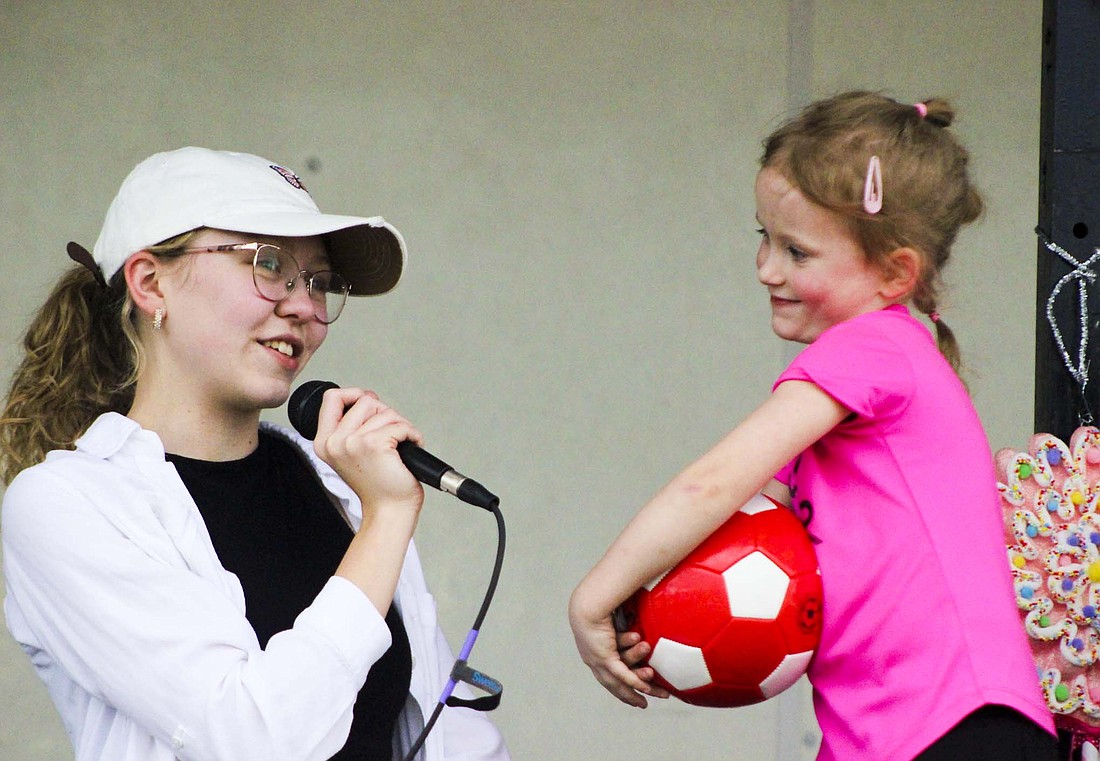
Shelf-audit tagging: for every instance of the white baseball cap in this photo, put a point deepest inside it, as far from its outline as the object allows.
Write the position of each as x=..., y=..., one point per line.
x=177, y=191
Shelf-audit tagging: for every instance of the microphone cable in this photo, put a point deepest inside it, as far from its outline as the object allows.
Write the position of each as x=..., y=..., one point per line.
x=461, y=672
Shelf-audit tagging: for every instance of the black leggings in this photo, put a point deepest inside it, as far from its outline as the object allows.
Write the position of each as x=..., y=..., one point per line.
x=993, y=733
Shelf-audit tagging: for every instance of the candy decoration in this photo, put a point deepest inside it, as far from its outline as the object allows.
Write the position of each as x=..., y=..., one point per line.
x=1050, y=496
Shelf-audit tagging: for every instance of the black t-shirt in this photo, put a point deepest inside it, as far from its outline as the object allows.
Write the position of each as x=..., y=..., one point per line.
x=275, y=527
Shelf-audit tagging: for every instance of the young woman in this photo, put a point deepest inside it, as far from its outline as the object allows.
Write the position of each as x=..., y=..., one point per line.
x=186, y=581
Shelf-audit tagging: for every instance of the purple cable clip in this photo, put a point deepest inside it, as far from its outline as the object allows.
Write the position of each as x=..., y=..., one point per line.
x=467, y=647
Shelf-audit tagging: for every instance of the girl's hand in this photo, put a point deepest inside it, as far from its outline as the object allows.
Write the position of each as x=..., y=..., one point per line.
x=616, y=659
x=357, y=435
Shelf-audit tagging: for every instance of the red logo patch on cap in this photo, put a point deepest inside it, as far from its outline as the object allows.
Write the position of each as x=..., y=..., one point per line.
x=289, y=176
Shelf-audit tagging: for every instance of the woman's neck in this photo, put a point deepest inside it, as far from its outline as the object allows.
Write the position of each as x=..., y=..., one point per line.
x=197, y=431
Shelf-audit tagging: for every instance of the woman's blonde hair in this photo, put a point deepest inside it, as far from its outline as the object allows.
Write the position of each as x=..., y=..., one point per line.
x=927, y=195
x=82, y=357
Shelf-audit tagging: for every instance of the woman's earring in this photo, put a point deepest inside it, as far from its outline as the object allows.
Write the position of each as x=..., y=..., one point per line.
x=158, y=318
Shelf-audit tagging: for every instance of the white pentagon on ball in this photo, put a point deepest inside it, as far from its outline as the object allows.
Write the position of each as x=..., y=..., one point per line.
x=756, y=587
x=790, y=669
x=682, y=666
x=758, y=504
x=656, y=580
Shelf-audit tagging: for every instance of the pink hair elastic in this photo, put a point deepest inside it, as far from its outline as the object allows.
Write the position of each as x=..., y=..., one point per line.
x=872, y=187
x=921, y=109
x=934, y=316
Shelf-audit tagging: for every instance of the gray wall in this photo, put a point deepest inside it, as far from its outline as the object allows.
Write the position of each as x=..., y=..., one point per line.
x=580, y=316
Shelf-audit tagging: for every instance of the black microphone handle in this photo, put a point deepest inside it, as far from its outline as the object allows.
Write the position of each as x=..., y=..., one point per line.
x=305, y=406
x=427, y=468
x=432, y=471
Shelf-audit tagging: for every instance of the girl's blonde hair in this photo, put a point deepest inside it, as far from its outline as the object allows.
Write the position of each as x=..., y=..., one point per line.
x=927, y=195
x=82, y=357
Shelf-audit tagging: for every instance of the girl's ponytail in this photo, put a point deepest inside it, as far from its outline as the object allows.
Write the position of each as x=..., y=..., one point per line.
x=924, y=300
x=946, y=342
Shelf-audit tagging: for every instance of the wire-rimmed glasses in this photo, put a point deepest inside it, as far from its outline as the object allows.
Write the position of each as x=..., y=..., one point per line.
x=275, y=273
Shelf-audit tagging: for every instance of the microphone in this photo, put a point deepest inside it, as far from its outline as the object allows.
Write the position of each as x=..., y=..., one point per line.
x=305, y=405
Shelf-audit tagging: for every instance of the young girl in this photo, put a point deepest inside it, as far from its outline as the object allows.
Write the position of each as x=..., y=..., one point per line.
x=877, y=449
x=186, y=581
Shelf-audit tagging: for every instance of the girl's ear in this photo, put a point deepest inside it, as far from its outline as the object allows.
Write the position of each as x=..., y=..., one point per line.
x=902, y=271
x=142, y=272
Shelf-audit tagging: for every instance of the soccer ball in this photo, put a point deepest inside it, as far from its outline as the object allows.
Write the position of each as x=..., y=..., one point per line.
x=738, y=620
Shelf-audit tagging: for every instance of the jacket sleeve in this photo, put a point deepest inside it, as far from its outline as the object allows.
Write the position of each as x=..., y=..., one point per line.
x=170, y=648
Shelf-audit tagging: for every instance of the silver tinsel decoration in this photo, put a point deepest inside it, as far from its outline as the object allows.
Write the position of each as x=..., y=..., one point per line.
x=1084, y=275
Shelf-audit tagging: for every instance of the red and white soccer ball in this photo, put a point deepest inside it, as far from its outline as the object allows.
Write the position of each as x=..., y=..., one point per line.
x=738, y=620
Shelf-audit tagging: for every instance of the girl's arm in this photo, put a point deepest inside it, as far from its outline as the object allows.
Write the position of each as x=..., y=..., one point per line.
x=684, y=513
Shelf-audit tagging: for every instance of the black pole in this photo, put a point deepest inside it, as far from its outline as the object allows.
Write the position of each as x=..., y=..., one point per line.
x=1069, y=209
x=1069, y=216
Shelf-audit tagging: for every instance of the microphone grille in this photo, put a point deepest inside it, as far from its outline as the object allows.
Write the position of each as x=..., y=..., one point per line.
x=305, y=406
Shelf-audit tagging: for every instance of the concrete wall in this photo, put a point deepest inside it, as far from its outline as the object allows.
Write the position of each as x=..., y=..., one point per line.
x=580, y=316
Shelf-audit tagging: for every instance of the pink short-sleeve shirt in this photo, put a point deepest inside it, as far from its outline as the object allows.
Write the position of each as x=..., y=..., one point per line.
x=920, y=623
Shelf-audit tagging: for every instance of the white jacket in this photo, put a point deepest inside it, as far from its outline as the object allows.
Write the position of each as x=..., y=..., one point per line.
x=115, y=592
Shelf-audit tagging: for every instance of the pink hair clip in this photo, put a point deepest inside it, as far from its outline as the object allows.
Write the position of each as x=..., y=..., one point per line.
x=921, y=109
x=872, y=187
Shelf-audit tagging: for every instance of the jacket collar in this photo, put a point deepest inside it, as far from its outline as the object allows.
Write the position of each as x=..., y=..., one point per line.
x=112, y=433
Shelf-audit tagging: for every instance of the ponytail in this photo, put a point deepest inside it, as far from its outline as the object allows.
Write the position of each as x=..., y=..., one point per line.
x=82, y=357
x=947, y=343
x=80, y=360
x=924, y=300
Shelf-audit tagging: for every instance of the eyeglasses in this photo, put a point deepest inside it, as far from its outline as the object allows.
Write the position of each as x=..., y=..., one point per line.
x=275, y=273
